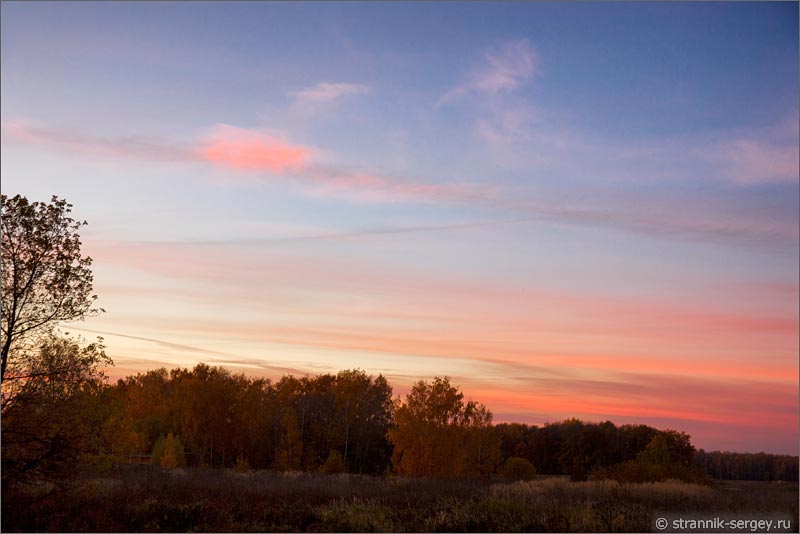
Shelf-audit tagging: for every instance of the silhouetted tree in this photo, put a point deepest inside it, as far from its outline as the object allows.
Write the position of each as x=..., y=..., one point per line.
x=48, y=380
x=44, y=279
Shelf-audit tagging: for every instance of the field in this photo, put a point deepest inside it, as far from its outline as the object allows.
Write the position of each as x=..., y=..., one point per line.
x=146, y=499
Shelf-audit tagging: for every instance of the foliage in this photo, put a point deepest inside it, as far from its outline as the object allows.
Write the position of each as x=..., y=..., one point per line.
x=334, y=464
x=51, y=421
x=666, y=457
x=242, y=465
x=515, y=469
x=168, y=452
x=290, y=425
x=158, y=450
x=173, y=455
x=437, y=435
x=294, y=424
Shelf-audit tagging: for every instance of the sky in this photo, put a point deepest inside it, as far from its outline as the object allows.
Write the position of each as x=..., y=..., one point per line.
x=571, y=209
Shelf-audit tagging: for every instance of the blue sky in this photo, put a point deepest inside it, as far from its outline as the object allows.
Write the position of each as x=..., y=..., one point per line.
x=599, y=194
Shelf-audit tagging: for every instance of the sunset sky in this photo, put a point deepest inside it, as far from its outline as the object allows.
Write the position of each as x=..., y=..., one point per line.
x=570, y=209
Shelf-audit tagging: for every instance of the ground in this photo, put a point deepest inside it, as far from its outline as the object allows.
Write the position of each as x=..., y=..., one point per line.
x=148, y=499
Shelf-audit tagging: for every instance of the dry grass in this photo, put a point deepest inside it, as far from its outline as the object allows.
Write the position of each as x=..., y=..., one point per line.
x=145, y=499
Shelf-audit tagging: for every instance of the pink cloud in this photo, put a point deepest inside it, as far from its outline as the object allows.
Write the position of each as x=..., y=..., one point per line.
x=250, y=150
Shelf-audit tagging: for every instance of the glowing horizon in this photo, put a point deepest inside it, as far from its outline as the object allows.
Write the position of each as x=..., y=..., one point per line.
x=569, y=215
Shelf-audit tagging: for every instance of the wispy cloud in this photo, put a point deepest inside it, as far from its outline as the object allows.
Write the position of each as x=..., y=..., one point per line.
x=518, y=136
x=366, y=232
x=458, y=301
x=502, y=71
x=206, y=355
x=327, y=92
x=250, y=155
x=166, y=344
x=749, y=161
x=137, y=147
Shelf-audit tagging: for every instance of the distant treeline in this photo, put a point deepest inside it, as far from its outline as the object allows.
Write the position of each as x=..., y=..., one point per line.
x=347, y=422
x=318, y=423
x=748, y=466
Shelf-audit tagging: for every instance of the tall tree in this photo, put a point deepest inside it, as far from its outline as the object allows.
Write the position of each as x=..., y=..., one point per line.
x=437, y=435
x=44, y=277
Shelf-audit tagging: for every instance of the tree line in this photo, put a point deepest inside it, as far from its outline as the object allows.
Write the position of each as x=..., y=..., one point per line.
x=748, y=465
x=295, y=423
x=350, y=422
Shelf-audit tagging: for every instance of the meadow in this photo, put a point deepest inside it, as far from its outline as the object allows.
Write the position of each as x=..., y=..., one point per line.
x=142, y=498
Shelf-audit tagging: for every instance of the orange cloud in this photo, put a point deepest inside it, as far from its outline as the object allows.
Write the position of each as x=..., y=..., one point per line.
x=481, y=321
x=250, y=150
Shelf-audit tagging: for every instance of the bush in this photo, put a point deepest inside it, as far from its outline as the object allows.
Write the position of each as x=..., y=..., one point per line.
x=334, y=464
x=517, y=468
x=168, y=452
x=654, y=464
x=158, y=450
x=241, y=465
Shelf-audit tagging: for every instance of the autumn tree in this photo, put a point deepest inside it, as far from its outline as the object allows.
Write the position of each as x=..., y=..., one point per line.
x=481, y=444
x=432, y=432
x=209, y=412
x=50, y=424
x=145, y=405
x=665, y=457
x=364, y=413
x=172, y=454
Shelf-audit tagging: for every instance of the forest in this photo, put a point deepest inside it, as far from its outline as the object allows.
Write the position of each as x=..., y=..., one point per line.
x=347, y=422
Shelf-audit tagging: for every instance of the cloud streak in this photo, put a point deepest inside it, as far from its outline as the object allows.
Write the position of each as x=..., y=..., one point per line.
x=134, y=147
x=166, y=344
x=325, y=92
x=513, y=320
x=749, y=161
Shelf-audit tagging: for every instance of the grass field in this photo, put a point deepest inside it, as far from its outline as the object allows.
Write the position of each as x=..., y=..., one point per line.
x=145, y=499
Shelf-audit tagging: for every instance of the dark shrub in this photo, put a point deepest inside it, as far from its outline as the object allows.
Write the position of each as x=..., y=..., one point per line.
x=517, y=468
x=334, y=464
